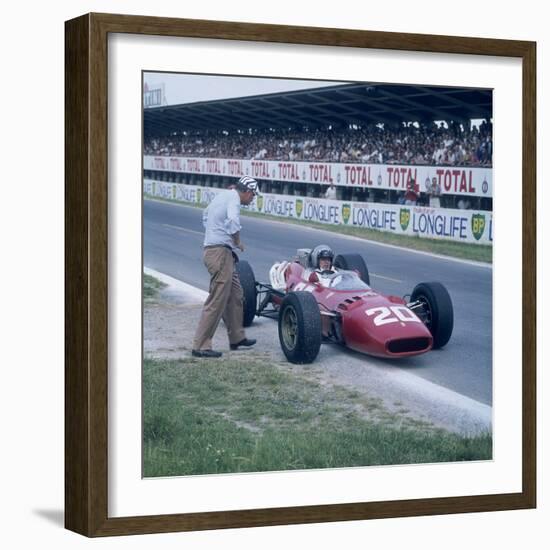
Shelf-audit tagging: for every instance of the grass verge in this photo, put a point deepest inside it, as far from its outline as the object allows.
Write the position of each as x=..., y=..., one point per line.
x=466, y=251
x=210, y=417
x=151, y=288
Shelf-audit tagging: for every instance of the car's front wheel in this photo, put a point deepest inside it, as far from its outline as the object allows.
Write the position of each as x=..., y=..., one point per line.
x=435, y=308
x=300, y=327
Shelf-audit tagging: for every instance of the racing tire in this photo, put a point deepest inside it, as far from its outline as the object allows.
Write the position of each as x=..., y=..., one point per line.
x=353, y=262
x=438, y=308
x=248, y=284
x=300, y=327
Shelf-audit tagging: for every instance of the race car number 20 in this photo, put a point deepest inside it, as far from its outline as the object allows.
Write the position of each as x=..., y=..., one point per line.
x=394, y=314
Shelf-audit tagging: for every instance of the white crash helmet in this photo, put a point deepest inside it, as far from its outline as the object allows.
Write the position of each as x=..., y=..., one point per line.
x=321, y=251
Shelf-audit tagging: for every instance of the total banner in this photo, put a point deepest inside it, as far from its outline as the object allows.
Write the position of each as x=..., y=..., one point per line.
x=453, y=180
x=470, y=226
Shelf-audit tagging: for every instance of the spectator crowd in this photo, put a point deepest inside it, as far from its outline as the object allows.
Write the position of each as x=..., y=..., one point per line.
x=429, y=144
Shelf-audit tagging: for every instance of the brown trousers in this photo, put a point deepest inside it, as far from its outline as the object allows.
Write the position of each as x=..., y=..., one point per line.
x=225, y=299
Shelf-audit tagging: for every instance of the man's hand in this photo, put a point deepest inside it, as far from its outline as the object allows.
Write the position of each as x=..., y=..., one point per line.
x=236, y=238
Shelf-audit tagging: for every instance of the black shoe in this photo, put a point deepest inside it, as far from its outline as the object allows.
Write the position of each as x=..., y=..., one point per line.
x=205, y=353
x=246, y=342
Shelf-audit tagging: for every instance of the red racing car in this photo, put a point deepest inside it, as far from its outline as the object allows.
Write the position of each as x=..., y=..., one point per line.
x=337, y=305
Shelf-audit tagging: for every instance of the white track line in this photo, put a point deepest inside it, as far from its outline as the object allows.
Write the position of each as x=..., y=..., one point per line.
x=332, y=233
x=455, y=408
x=201, y=233
x=384, y=277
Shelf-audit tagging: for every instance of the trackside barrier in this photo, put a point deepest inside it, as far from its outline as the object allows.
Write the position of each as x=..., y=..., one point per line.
x=469, y=226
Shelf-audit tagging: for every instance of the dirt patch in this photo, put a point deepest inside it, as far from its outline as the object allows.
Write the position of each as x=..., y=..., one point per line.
x=168, y=329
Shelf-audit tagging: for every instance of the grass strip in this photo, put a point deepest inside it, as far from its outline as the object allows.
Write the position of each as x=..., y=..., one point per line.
x=151, y=288
x=211, y=417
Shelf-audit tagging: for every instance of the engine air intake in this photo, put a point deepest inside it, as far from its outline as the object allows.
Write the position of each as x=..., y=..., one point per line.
x=406, y=345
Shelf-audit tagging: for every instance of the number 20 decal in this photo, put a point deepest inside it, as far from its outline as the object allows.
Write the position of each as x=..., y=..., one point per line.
x=392, y=314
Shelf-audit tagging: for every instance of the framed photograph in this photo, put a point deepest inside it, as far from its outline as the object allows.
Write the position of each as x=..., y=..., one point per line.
x=354, y=337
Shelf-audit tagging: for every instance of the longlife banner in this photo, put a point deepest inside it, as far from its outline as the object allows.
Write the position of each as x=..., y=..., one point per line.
x=454, y=180
x=469, y=226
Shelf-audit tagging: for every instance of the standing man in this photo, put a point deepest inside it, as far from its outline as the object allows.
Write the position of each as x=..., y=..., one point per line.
x=331, y=192
x=225, y=299
x=435, y=194
x=411, y=195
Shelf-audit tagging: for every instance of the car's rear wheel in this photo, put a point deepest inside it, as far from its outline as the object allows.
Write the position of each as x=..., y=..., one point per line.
x=436, y=311
x=300, y=327
x=353, y=262
x=248, y=283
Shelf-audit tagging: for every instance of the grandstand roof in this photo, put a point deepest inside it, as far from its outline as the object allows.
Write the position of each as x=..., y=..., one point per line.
x=340, y=105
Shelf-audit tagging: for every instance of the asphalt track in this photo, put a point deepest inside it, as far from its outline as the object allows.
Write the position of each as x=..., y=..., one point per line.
x=172, y=244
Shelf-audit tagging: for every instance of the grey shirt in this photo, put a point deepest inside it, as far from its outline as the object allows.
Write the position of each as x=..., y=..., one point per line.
x=221, y=219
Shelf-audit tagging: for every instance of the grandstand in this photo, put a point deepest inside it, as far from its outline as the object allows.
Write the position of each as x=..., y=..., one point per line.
x=367, y=139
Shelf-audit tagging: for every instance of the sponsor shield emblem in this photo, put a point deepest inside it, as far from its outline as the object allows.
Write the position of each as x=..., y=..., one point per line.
x=478, y=225
x=199, y=195
x=346, y=212
x=404, y=218
x=299, y=207
x=259, y=203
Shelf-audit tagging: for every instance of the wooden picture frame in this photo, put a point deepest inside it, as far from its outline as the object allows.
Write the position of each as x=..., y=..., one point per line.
x=86, y=282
